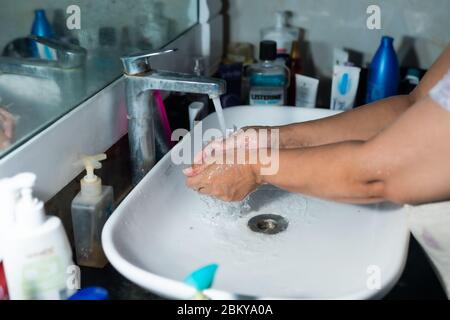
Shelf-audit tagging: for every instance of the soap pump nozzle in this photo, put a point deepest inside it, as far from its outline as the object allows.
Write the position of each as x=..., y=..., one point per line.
x=91, y=185
x=9, y=192
x=29, y=210
x=9, y=195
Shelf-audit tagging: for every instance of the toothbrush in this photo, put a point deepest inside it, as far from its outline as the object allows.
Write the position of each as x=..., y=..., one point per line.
x=163, y=116
x=202, y=279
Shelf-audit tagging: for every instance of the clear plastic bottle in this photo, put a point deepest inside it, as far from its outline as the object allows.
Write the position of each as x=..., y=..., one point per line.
x=91, y=209
x=281, y=33
x=268, y=79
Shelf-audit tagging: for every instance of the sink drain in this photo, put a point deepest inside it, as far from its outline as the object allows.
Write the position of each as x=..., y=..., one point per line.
x=268, y=223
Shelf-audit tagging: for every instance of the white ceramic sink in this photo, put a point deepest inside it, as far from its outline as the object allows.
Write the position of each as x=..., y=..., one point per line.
x=162, y=231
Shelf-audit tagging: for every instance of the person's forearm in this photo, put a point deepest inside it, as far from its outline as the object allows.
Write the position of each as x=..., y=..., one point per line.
x=360, y=124
x=336, y=171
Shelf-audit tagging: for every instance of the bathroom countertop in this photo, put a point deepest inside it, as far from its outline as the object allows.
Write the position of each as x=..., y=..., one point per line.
x=418, y=280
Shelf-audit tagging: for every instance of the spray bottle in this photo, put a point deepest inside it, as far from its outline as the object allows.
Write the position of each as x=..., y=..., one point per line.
x=90, y=209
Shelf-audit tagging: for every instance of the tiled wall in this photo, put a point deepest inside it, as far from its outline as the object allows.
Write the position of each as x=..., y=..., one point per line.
x=420, y=28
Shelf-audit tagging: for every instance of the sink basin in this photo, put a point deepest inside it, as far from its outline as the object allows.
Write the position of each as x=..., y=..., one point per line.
x=163, y=231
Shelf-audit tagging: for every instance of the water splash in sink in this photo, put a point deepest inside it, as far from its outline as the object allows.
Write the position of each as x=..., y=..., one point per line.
x=265, y=200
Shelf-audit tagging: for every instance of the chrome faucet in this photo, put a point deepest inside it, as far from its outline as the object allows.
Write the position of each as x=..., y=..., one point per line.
x=67, y=70
x=140, y=81
x=67, y=57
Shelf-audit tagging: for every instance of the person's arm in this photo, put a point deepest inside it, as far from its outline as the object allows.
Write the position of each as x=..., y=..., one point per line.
x=406, y=163
x=364, y=122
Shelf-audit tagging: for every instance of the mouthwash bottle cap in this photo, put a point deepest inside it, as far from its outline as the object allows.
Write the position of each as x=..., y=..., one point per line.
x=413, y=75
x=267, y=50
x=29, y=210
x=91, y=185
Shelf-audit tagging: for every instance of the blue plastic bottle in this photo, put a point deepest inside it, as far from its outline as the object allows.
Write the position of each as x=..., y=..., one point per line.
x=384, y=74
x=42, y=28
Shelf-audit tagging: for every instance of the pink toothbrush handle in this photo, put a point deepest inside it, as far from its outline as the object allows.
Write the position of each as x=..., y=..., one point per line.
x=163, y=117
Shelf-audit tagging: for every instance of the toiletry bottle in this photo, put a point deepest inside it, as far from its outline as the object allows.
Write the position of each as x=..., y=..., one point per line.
x=42, y=28
x=90, y=209
x=268, y=79
x=295, y=68
x=410, y=81
x=281, y=33
x=38, y=253
x=306, y=91
x=3, y=286
x=344, y=87
x=90, y=293
x=153, y=26
x=384, y=72
x=8, y=197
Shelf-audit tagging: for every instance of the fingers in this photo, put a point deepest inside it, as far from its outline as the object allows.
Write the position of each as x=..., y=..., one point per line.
x=7, y=122
x=4, y=141
x=198, y=184
x=195, y=169
x=209, y=150
x=206, y=157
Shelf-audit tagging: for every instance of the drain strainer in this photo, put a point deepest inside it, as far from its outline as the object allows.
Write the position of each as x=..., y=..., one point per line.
x=268, y=223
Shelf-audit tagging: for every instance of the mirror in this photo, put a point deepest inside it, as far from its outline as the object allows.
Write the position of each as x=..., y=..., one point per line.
x=73, y=54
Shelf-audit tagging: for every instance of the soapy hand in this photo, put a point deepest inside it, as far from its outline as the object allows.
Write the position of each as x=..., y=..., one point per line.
x=7, y=124
x=247, y=137
x=227, y=181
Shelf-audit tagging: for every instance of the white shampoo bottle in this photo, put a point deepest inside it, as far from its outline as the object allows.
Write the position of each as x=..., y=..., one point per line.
x=38, y=254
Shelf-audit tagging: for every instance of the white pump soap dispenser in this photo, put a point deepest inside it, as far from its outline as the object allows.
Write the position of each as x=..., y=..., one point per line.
x=38, y=253
x=8, y=198
x=91, y=209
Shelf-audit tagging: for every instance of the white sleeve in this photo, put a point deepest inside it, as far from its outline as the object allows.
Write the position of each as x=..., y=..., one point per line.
x=441, y=92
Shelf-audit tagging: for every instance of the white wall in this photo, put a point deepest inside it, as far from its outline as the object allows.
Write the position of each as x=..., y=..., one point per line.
x=418, y=24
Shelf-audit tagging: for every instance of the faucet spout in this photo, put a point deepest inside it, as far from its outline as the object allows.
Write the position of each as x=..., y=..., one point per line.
x=178, y=82
x=141, y=80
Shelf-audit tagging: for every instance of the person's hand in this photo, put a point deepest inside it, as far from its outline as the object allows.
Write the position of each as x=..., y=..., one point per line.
x=248, y=137
x=7, y=124
x=228, y=181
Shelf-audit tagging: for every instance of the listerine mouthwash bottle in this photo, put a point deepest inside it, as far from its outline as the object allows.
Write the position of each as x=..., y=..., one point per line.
x=268, y=79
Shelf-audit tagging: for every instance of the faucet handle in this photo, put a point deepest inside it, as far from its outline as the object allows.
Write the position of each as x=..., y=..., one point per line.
x=68, y=55
x=139, y=62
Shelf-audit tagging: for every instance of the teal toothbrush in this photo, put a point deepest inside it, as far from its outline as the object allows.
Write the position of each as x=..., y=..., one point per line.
x=202, y=279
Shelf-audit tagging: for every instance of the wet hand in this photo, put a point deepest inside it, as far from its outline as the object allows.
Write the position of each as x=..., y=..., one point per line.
x=248, y=138
x=226, y=181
